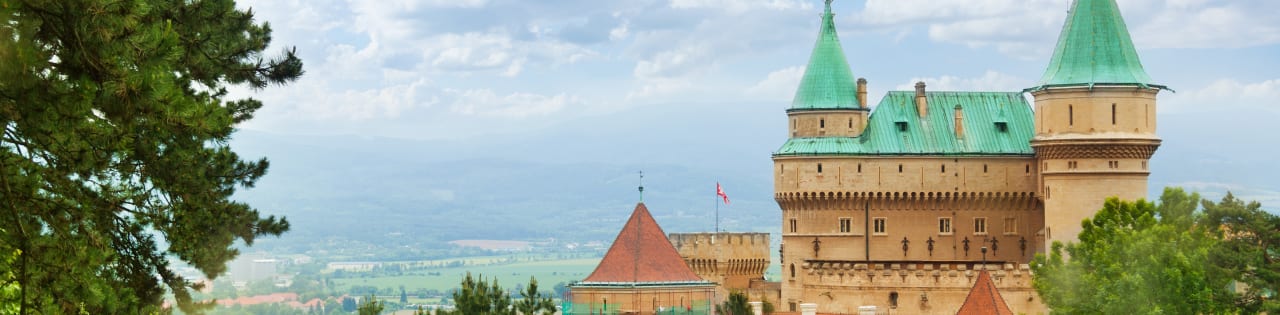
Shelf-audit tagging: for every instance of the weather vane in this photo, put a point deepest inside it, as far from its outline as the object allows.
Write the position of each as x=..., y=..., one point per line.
x=641, y=186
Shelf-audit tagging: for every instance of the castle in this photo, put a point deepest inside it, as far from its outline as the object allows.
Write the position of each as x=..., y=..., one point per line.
x=935, y=194
x=896, y=207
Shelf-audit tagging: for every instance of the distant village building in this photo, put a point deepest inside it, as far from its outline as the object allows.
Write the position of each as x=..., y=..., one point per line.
x=896, y=208
x=641, y=274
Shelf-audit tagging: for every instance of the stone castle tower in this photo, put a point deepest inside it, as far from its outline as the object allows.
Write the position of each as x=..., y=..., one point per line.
x=1095, y=120
x=901, y=207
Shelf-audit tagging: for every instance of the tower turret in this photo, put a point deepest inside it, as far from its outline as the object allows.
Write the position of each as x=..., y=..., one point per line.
x=1095, y=119
x=829, y=102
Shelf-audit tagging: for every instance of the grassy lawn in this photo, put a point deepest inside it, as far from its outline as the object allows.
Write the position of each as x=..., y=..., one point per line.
x=548, y=273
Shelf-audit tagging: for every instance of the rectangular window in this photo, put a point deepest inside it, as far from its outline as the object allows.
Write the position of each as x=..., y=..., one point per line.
x=878, y=226
x=1010, y=225
x=846, y=225
x=980, y=226
x=793, y=225
x=944, y=226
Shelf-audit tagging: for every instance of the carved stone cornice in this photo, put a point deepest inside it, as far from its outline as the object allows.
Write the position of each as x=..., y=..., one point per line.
x=1095, y=149
x=918, y=200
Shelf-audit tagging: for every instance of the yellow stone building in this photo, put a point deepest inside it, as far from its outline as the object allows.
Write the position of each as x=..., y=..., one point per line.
x=898, y=208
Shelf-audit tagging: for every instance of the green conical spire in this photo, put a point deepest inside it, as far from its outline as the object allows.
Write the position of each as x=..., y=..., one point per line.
x=827, y=83
x=1094, y=48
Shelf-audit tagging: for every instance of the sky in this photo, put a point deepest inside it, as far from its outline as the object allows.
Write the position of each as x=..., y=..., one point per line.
x=473, y=70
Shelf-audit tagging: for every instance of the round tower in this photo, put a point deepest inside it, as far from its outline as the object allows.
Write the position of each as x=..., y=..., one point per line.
x=1095, y=117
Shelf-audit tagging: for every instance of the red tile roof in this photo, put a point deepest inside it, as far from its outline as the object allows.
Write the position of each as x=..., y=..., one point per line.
x=642, y=253
x=984, y=299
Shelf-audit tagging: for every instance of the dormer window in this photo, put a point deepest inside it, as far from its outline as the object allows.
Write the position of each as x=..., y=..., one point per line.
x=902, y=125
x=1002, y=126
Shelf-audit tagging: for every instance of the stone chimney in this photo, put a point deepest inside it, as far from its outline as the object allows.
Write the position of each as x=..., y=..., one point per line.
x=959, y=122
x=862, y=92
x=922, y=103
x=808, y=309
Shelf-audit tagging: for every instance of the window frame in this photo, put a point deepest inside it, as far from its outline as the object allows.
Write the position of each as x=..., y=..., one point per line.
x=948, y=228
x=980, y=222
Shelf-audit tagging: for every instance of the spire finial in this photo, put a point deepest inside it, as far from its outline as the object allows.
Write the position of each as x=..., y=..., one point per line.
x=828, y=10
x=641, y=186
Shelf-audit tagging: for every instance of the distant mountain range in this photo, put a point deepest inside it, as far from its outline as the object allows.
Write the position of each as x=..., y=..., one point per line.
x=578, y=180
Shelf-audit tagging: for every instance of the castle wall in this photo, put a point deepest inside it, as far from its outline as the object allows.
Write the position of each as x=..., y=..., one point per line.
x=1091, y=144
x=905, y=174
x=732, y=260
x=907, y=287
x=640, y=300
x=827, y=123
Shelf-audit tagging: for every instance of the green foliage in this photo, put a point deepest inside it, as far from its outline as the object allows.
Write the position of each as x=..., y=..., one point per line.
x=735, y=305
x=114, y=130
x=1131, y=261
x=370, y=306
x=476, y=298
x=1248, y=252
x=534, y=302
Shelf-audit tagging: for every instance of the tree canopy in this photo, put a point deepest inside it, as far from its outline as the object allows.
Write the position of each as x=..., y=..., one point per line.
x=1140, y=258
x=474, y=297
x=114, y=157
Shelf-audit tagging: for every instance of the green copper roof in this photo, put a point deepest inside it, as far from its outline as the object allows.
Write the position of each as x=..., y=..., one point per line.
x=827, y=83
x=1094, y=48
x=935, y=134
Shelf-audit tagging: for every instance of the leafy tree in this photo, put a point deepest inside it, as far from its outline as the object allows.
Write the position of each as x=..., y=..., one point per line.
x=735, y=305
x=114, y=129
x=534, y=302
x=1249, y=252
x=1131, y=261
x=404, y=296
x=421, y=311
x=476, y=298
x=370, y=306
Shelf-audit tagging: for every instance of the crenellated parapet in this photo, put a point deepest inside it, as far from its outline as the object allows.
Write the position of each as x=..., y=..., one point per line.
x=907, y=200
x=732, y=260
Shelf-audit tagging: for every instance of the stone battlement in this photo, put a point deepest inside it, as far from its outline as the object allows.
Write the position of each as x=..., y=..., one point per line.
x=913, y=274
x=721, y=246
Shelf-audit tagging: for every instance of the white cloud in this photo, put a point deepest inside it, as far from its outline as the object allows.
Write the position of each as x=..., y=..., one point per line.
x=1224, y=95
x=738, y=6
x=1203, y=24
x=484, y=102
x=778, y=85
x=674, y=63
x=989, y=81
x=1018, y=27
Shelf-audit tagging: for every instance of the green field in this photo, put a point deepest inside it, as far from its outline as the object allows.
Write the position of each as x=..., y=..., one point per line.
x=548, y=273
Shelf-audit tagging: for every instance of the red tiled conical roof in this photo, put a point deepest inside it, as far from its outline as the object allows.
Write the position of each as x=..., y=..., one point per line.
x=984, y=299
x=642, y=253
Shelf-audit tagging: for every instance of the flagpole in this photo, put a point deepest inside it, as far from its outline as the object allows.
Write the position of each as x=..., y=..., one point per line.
x=717, y=202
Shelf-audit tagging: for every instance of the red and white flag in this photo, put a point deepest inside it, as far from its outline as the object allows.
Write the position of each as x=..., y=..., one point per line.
x=720, y=192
